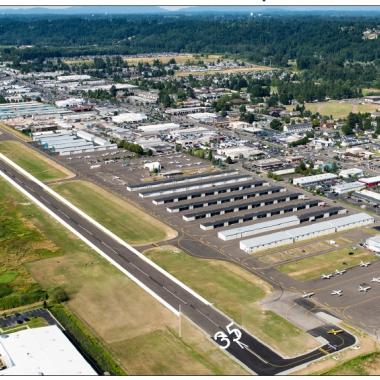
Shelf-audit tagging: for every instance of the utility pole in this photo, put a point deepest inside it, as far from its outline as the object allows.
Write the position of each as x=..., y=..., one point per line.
x=179, y=322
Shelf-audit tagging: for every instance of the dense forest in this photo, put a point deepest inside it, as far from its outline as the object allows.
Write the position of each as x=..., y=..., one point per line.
x=327, y=47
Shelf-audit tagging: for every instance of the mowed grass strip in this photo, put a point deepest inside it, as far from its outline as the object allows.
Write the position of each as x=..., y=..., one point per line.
x=313, y=267
x=15, y=132
x=36, y=164
x=116, y=214
x=364, y=365
x=237, y=293
x=34, y=247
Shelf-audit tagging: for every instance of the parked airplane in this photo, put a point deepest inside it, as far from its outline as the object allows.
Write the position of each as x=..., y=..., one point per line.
x=363, y=288
x=326, y=276
x=334, y=332
x=337, y=293
x=375, y=279
x=332, y=346
x=364, y=264
x=307, y=295
x=340, y=272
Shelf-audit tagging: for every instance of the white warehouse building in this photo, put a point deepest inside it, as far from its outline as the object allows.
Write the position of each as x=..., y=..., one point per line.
x=304, y=181
x=306, y=232
x=373, y=244
x=348, y=187
x=258, y=228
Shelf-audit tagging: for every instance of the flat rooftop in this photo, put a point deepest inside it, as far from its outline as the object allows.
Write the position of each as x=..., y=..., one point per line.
x=41, y=351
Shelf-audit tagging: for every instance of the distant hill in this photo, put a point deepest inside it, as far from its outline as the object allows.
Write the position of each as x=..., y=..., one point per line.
x=101, y=10
x=83, y=10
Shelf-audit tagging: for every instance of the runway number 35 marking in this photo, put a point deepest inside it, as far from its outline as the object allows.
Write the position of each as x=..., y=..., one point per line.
x=225, y=340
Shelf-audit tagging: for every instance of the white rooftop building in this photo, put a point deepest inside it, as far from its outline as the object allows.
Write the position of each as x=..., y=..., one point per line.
x=373, y=244
x=302, y=181
x=130, y=117
x=41, y=351
x=351, y=172
x=348, y=187
x=157, y=128
x=69, y=78
x=204, y=117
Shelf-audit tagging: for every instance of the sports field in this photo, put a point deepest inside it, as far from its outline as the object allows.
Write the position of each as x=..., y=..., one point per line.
x=313, y=267
x=237, y=293
x=120, y=216
x=34, y=162
x=338, y=109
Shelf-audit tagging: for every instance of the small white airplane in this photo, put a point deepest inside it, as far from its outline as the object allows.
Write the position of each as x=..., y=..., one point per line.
x=307, y=295
x=332, y=346
x=363, y=288
x=375, y=279
x=326, y=276
x=364, y=264
x=340, y=272
x=337, y=293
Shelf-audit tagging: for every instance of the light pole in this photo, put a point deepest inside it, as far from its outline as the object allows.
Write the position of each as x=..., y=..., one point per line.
x=179, y=322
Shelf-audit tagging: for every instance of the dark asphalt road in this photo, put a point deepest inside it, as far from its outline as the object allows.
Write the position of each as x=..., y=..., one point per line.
x=258, y=357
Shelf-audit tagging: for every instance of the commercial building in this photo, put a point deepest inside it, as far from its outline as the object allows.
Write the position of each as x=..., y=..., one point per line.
x=73, y=78
x=28, y=109
x=130, y=117
x=258, y=228
x=237, y=152
x=350, y=173
x=347, y=187
x=313, y=179
x=41, y=351
x=373, y=244
x=368, y=196
x=65, y=143
x=370, y=181
x=204, y=117
x=306, y=232
x=157, y=128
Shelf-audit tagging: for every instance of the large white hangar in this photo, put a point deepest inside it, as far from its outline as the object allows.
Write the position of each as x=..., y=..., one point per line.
x=259, y=228
x=306, y=232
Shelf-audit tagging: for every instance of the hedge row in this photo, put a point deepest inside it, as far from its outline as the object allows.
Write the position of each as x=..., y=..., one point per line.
x=86, y=340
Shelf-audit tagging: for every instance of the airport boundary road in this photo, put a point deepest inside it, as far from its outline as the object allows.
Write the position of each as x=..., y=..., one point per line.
x=247, y=349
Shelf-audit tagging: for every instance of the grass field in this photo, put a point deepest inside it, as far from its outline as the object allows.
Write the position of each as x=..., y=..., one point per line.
x=23, y=238
x=163, y=58
x=338, y=109
x=237, y=293
x=33, y=247
x=33, y=323
x=232, y=70
x=121, y=217
x=372, y=90
x=35, y=163
x=364, y=365
x=14, y=132
x=313, y=267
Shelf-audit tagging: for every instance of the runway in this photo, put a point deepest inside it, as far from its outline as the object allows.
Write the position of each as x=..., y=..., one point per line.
x=243, y=346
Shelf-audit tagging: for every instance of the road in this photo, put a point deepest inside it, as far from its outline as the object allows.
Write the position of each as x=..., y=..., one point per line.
x=243, y=346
